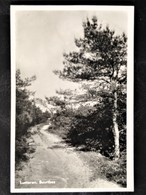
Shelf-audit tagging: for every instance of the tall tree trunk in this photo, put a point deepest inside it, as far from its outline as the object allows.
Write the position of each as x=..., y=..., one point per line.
x=115, y=128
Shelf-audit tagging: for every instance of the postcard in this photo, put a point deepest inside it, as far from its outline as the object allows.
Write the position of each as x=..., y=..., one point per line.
x=72, y=98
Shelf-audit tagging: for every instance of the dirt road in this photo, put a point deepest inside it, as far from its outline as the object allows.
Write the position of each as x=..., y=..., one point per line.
x=56, y=165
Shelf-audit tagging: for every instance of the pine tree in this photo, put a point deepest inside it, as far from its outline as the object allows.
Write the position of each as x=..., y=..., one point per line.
x=101, y=57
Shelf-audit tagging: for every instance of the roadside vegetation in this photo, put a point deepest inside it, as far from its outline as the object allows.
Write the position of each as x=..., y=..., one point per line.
x=27, y=116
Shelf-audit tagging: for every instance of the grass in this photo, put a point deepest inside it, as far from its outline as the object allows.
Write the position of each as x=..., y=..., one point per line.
x=103, y=167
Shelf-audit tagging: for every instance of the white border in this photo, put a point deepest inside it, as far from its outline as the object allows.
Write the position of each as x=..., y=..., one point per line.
x=130, y=97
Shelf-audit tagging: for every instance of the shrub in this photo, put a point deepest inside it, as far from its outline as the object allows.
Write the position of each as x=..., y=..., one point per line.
x=21, y=148
x=115, y=170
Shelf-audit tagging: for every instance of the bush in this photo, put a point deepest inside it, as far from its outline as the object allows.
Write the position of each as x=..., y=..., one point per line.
x=93, y=129
x=21, y=149
x=116, y=170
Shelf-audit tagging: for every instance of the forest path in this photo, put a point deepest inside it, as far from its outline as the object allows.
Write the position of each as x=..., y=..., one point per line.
x=57, y=165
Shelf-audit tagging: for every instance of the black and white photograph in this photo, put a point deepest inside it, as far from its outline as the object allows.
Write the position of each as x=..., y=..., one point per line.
x=72, y=98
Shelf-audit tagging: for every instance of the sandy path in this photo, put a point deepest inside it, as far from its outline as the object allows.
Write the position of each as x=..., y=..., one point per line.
x=56, y=165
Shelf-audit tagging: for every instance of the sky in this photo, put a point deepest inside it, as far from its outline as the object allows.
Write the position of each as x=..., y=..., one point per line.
x=43, y=36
